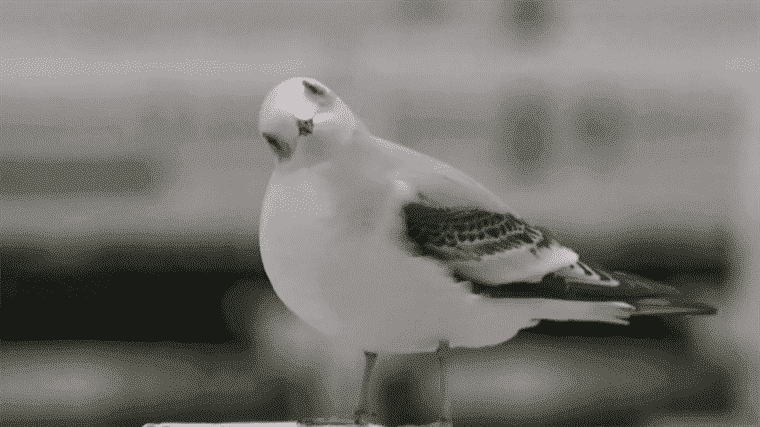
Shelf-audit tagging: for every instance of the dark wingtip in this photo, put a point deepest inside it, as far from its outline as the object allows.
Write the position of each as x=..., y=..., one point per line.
x=671, y=307
x=282, y=150
x=631, y=288
x=641, y=287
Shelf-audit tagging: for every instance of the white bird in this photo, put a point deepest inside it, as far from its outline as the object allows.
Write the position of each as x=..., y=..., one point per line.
x=399, y=252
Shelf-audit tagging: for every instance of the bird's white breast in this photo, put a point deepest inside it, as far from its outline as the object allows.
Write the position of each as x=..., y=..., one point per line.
x=316, y=236
x=293, y=238
x=333, y=257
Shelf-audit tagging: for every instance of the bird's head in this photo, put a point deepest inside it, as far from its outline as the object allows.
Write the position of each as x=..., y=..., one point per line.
x=301, y=115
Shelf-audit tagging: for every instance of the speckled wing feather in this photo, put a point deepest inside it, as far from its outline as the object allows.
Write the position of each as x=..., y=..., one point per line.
x=468, y=234
x=485, y=245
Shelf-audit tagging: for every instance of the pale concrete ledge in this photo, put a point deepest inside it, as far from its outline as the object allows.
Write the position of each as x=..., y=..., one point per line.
x=243, y=424
x=328, y=423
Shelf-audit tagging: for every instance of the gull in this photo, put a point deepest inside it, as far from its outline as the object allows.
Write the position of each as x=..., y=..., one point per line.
x=399, y=252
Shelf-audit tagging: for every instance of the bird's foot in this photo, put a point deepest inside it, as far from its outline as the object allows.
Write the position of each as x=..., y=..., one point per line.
x=442, y=422
x=362, y=417
x=332, y=421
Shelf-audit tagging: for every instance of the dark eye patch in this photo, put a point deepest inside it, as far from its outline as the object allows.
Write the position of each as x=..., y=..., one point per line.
x=272, y=141
x=316, y=90
x=281, y=149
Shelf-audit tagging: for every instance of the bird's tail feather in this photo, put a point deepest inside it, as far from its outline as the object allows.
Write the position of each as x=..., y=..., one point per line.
x=650, y=298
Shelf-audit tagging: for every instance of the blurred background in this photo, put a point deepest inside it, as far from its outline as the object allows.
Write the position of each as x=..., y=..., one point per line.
x=132, y=178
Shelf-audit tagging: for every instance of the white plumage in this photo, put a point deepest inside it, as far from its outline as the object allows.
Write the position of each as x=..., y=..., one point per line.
x=398, y=252
x=335, y=245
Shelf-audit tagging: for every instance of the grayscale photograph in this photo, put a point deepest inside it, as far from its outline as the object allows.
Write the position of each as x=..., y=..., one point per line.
x=381, y=214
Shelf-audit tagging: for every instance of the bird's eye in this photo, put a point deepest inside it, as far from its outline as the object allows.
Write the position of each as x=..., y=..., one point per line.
x=305, y=127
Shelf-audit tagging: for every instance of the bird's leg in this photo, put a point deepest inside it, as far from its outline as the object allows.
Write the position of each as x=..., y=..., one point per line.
x=442, y=353
x=362, y=411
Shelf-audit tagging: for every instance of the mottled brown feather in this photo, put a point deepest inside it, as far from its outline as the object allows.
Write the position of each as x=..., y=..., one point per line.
x=474, y=232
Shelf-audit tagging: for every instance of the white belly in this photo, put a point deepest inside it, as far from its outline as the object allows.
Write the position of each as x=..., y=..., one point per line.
x=343, y=279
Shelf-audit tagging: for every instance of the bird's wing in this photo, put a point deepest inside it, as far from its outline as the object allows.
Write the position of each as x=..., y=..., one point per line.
x=456, y=220
x=491, y=249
